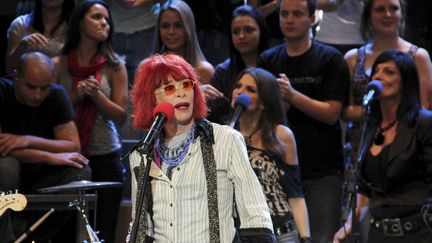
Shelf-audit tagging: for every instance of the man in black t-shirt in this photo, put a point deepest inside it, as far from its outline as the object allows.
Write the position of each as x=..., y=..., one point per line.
x=314, y=82
x=39, y=142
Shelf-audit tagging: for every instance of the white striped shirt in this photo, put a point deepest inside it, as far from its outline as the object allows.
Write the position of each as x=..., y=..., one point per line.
x=180, y=209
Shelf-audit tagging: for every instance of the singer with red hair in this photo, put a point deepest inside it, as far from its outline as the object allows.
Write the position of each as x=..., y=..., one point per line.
x=195, y=166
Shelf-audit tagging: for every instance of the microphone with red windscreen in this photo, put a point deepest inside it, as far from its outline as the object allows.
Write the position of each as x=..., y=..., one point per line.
x=163, y=112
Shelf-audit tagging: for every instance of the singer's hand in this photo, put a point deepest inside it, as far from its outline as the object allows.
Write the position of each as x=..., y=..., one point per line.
x=211, y=92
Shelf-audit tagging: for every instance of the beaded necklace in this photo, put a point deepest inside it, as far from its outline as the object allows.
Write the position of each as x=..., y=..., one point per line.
x=175, y=155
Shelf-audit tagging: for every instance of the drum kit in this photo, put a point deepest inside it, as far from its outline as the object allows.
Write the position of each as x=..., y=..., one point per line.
x=80, y=187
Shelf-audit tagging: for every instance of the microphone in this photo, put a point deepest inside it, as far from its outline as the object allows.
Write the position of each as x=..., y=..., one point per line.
x=242, y=103
x=373, y=90
x=163, y=112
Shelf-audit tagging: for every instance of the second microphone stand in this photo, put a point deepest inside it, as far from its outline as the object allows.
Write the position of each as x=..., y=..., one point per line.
x=351, y=177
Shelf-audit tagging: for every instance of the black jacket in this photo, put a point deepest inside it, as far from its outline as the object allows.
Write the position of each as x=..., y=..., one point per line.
x=406, y=177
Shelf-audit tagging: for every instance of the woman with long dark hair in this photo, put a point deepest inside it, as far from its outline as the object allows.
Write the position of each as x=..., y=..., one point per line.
x=248, y=37
x=381, y=26
x=273, y=154
x=96, y=80
x=396, y=173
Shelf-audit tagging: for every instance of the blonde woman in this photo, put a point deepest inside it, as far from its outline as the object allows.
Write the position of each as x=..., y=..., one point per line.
x=176, y=33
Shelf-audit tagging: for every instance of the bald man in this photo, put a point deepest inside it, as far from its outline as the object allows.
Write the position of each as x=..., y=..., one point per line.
x=39, y=142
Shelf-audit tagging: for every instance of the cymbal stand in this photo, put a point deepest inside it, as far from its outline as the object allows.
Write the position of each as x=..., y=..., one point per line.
x=82, y=200
x=91, y=233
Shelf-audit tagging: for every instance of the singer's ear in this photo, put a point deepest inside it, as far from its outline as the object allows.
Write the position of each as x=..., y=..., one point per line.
x=262, y=107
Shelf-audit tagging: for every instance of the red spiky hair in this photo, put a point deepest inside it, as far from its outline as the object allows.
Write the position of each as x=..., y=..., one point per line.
x=150, y=74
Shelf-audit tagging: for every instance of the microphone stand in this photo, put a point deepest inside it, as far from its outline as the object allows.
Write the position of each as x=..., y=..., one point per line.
x=139, y=205
x=140, y=197
x=351, y=176
x=163, y=111
x=145, y=144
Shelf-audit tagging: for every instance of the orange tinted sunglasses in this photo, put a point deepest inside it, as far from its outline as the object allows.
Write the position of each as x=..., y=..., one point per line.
x=170, y=89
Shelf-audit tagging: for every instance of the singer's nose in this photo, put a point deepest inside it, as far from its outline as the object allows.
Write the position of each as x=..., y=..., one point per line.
x=376, y=76
x=180, y=92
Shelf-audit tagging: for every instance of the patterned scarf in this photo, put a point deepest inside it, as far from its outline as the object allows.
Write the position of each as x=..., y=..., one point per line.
x=85, y=110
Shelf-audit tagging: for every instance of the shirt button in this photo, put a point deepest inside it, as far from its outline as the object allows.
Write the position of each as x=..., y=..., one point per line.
x=171, y=224
x=171, y=204
x=178, y=168
x=170, y=186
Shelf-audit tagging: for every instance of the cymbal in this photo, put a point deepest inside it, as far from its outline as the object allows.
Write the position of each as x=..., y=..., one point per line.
x=80, y=185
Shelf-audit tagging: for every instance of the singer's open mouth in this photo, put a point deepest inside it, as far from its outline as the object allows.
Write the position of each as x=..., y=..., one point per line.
x=182, y=105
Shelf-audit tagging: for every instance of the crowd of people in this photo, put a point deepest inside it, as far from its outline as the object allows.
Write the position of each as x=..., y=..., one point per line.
x=80, y=70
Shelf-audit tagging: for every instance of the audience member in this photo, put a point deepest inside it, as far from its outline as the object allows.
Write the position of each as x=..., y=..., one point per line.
x=39, y=142
x=176, y=33
x=273, y=154
x=199, y=168
x=339, y=26
x=248, y=37
x=41, y=30
x=96, y=81
x=134, y=23
x=396, y=172
x=269, y=9
x=314, y=82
